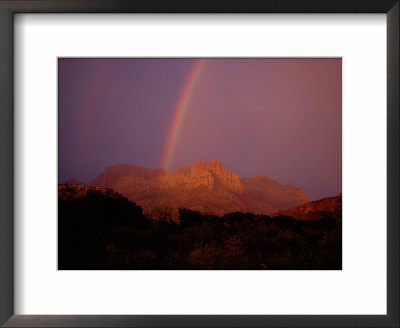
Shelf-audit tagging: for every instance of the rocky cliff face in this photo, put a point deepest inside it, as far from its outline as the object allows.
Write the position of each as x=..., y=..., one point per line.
x=205, y=187
x=213, y=173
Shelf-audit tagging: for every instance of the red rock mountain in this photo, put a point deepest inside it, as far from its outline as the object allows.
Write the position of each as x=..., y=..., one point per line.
x=205, y=187
x=325, y=207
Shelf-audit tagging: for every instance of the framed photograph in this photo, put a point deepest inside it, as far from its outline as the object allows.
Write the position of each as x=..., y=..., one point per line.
x=185, y=164
x=168, y=196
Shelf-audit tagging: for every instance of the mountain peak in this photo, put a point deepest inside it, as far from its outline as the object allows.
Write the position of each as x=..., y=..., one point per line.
x=213, y=165
x=217, y=175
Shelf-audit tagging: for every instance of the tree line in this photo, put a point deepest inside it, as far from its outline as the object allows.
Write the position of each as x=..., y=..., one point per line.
x=101, y=232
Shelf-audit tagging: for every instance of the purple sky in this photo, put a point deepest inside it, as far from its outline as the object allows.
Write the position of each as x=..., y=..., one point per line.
x=278, y=117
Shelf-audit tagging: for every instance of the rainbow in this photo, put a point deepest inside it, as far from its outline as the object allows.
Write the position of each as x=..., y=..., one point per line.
x=180, y=111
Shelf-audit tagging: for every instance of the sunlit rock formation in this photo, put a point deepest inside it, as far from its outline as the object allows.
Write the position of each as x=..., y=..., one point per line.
x=205, y=187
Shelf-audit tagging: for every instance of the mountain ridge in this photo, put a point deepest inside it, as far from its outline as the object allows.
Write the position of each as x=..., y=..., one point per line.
x=205, y=187
x=315, y=210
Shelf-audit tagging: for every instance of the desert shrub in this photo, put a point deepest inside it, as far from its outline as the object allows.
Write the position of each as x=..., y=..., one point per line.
x=102, y=232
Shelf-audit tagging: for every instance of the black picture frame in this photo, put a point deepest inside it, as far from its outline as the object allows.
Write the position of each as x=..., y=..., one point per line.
x=10, y=7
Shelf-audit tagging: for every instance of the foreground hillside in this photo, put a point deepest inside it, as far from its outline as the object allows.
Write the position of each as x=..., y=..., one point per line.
x=316, y=210
x=100, y=229
x=205, y=187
